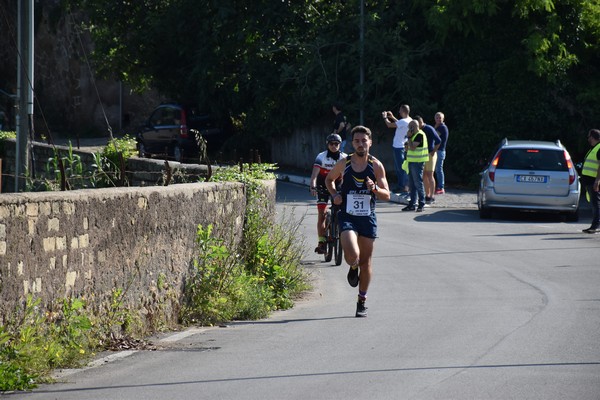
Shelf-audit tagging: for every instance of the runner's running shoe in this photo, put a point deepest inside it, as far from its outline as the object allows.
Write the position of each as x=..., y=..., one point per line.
x=353, y=276
x=361, y=310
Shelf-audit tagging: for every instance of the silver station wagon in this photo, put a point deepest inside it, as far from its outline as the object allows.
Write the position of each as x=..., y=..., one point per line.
x=530, y=176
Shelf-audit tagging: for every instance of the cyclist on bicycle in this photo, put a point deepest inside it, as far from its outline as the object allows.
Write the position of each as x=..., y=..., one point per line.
x=323, y=164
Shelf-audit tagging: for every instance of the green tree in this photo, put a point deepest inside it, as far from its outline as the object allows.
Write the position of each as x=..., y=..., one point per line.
x=521, y=68
x=513, y=69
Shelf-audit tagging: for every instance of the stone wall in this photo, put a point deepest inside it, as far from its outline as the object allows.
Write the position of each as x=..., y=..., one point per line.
x=138, y=171
x=94, y=243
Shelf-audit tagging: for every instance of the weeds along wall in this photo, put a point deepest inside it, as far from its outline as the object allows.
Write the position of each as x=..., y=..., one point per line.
x=138, y=171
x=136, y=244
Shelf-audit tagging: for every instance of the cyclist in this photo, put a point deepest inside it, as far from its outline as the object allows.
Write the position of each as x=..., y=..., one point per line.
x=323, y=164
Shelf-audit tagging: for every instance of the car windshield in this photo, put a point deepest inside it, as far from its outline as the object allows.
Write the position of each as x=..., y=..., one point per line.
x=532, y=159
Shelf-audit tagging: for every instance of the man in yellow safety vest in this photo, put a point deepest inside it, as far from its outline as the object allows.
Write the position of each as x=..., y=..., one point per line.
x=417, y=155
x=590, y=178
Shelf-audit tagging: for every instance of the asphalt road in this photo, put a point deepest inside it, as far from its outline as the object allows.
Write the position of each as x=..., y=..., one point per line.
x=459, y=308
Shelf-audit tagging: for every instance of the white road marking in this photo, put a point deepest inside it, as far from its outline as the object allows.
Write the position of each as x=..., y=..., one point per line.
x=60, y=374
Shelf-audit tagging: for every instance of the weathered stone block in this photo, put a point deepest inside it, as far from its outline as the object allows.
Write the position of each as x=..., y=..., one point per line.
x=83, y=243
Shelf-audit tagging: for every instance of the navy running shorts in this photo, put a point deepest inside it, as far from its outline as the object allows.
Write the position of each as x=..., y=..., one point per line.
x=363, y=226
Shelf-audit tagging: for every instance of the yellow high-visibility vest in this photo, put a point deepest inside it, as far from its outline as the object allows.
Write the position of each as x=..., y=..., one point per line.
x=590, y=165
x=420, y=154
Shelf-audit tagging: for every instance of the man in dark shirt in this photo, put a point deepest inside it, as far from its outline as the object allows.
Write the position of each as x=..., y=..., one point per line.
x=433, y=144
x=442, y=130
x=340, y=125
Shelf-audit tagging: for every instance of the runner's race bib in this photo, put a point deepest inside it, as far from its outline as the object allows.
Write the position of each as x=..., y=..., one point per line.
x=358, y=204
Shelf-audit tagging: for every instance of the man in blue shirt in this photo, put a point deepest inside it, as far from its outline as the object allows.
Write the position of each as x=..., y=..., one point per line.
x=442, y=130
x=433, y=144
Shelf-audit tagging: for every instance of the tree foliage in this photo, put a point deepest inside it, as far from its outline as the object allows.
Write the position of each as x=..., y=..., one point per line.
x=520, y=68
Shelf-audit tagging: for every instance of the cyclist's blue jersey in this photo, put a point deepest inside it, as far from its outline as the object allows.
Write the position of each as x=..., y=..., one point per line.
x=357, y=199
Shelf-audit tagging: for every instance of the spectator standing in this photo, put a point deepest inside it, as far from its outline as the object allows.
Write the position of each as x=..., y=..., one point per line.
x=399, y=142
x=590, y=179
x=363, y=182
x=324, y=162
x=433, y=143
x=442, y=131
x=340, y=124
x=417, y=156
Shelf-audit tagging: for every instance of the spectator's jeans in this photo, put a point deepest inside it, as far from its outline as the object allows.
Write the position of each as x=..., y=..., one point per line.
x=439, y=169
x=399, y=157
x=595, y=203
x=415, y=179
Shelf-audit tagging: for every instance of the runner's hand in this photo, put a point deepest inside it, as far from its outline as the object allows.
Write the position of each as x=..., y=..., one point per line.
x=337, y=199
x=370, y=184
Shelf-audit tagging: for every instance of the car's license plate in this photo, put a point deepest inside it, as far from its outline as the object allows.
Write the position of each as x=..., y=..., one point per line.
x=532, y=178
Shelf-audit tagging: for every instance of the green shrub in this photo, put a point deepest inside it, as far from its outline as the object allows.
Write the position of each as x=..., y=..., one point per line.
x=74, y=175
x=109, y=163
x=107, y=169
x=37, y=342
x=263, y=274
x=8, y=135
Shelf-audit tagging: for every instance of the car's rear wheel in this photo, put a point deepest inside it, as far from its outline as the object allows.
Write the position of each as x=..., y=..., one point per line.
x=572, y=216
x=484, y=212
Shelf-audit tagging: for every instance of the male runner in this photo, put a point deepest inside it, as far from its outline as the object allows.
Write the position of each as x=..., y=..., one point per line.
x=363, y=182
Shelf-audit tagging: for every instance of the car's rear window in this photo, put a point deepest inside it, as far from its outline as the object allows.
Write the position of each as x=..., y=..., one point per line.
x=533, y=159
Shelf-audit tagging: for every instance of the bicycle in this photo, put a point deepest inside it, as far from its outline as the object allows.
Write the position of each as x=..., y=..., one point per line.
x=332, y=229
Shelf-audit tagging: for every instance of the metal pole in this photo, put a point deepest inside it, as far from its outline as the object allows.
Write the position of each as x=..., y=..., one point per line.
x=30, y=50
x=18, y=120
x=362, y=63
x=24, y=90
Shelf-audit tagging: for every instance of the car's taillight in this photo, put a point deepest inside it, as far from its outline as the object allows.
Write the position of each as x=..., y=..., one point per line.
x=571, y=167
x=493, y=165
x=183, y=129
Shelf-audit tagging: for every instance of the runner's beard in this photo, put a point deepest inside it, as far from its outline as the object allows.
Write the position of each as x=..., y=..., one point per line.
x=361, y=152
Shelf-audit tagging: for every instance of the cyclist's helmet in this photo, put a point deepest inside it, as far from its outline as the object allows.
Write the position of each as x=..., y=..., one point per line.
x=334, y=137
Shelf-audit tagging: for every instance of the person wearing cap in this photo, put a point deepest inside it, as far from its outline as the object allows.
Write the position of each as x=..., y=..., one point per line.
x=324, y=162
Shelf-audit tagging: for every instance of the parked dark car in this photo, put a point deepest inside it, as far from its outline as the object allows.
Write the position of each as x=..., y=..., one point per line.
x=171, y=132
x=530, y=176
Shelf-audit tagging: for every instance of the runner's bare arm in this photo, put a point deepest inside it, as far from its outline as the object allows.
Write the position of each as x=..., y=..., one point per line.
x=332, y=176
x=383, y=191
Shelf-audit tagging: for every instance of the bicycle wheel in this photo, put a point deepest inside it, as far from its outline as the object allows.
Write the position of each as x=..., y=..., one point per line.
x=329, y=233
x=337, y=242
